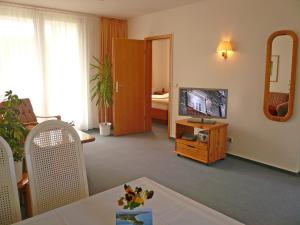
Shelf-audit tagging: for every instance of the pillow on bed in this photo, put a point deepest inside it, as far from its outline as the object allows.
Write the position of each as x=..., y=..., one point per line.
x=166, y=95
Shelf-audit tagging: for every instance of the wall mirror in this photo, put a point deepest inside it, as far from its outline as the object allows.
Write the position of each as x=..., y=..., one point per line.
x=281, y=63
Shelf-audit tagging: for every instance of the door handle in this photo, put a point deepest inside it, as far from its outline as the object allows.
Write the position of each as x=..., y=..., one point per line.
x=117, y=86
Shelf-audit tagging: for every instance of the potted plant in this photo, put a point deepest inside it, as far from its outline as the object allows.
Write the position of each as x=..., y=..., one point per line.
x=101, y=89
x=12, y=130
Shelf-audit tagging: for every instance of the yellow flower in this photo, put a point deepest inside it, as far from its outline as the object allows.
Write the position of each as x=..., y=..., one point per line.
x=139, y=200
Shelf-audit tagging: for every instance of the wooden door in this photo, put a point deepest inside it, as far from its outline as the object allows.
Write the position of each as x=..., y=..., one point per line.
x=129, y=76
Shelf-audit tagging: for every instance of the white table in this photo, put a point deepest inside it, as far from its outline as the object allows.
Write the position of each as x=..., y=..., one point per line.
x=169, y=208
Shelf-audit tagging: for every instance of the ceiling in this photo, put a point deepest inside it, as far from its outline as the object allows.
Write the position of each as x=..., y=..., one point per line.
x=111, y=8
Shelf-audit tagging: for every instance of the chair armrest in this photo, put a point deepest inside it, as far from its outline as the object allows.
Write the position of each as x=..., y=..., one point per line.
x=49, y=117
x=31, y=123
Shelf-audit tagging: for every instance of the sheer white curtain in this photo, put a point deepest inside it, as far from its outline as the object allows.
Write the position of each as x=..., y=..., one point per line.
x=19, y=57
x=92, y=38
x=45, y=56
x=64, y=73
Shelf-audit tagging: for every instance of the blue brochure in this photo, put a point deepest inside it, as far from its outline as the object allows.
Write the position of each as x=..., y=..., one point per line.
x=134, y=217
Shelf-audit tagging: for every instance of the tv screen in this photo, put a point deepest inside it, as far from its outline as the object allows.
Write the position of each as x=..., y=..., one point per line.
x=200, y=102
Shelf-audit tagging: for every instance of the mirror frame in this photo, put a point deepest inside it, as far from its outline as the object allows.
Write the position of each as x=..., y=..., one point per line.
x=289, y=114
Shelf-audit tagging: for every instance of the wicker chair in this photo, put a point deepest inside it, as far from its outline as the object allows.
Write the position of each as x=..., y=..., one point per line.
x=55, y=165
x=27, y=115
x=9, y=198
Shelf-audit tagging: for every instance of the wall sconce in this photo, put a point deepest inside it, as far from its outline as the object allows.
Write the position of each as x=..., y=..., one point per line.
x=224, y=47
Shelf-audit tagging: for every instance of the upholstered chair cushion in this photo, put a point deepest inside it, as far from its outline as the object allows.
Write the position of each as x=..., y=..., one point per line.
x=27, y=115
x=276, y=98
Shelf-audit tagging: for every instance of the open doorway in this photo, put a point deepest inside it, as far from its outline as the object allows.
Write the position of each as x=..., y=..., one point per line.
x=161, y=80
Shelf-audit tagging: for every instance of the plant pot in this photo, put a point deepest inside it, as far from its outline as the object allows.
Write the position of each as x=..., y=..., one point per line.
x=19, y=170
x=104, y=129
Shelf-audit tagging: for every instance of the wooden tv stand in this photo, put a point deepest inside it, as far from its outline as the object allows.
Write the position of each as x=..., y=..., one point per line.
x=206, y=152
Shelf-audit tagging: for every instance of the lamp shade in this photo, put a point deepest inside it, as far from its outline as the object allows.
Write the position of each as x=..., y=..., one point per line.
x=224, y=46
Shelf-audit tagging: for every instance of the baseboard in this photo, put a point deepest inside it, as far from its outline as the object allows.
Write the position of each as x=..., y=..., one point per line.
x=256, y=163
x=263, y=164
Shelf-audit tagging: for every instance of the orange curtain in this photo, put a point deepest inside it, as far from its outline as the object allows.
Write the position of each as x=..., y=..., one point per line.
x=110, y=29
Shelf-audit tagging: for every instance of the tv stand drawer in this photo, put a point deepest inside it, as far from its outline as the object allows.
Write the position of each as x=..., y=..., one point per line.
x=195, y=144
x=200, y=154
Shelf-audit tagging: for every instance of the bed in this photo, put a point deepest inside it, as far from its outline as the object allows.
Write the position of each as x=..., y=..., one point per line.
x=160, y=106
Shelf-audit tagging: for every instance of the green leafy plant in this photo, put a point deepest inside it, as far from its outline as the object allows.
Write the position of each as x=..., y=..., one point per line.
x=101, y=84
x=11, y=129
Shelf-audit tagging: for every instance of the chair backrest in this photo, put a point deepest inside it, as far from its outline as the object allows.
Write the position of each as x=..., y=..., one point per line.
x=9, y=198
x=27, y=115
x=55, y=166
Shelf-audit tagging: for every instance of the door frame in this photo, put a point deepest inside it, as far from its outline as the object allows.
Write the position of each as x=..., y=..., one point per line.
x=149, y=76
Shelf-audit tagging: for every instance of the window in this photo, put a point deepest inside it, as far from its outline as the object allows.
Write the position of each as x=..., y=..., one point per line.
x=44, y=57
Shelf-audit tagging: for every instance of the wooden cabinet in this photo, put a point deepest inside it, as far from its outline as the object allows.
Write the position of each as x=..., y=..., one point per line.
x=207, y=152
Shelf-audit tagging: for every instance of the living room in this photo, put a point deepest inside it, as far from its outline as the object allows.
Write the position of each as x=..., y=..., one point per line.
x=257, y=182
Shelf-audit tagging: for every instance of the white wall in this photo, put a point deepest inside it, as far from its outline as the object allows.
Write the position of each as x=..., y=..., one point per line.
x=160, y=64
x=197, y=30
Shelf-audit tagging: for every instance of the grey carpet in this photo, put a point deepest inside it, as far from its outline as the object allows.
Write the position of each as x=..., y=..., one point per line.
x=250, y=193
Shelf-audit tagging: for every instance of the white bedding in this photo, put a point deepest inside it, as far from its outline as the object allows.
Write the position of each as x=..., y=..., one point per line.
x=160, y=101
x=164, y=96
x=160, y=105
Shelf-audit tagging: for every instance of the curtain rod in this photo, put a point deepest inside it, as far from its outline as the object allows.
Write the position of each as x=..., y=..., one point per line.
x=27, y=6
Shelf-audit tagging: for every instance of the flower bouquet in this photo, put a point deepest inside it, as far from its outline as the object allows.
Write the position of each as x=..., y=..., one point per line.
x=130, y=201
x=134, y=198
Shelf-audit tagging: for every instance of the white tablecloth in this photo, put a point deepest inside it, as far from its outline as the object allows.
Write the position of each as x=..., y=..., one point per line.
x=169, y=208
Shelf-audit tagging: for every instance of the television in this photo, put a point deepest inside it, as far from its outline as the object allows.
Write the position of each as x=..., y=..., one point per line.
x=203, y=103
